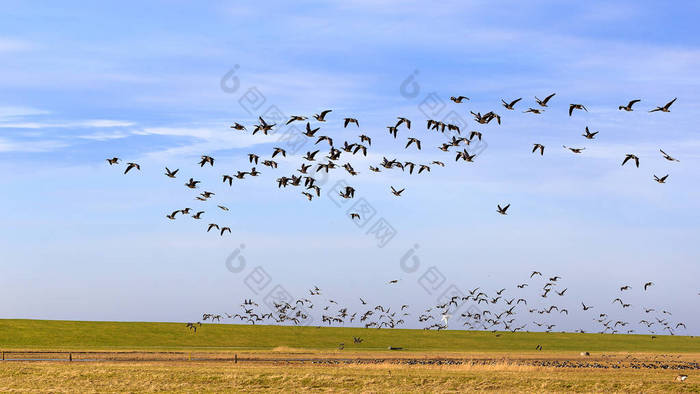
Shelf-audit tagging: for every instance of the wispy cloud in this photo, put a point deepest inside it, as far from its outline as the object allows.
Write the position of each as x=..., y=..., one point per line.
x=31, y=146
x=97, y=123
x=105, y=136
x=13, y=112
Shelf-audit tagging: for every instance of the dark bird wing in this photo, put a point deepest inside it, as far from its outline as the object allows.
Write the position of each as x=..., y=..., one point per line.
x=546, y=99
x=668, y=105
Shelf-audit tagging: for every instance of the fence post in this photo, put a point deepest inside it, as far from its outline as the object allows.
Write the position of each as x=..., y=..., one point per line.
x=70, y=357
x=235, y=358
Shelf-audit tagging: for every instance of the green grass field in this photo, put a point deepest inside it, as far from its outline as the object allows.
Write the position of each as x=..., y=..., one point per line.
x=271, y=360
x=77, y=335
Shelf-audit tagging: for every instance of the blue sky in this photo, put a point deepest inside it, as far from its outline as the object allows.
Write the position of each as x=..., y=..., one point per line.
x=81, y=83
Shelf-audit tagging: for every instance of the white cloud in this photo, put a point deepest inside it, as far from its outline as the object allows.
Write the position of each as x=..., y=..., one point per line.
x=12, y=112
x=97, y=123
x=31, y=146
x=105, y=136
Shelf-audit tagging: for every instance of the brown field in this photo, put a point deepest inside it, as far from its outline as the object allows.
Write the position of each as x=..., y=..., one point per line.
x=148, y=357
x=225, y=376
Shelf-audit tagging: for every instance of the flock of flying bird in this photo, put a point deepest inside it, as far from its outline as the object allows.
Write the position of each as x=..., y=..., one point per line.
x=458, y=145
x=509, y=309
x=305, y=173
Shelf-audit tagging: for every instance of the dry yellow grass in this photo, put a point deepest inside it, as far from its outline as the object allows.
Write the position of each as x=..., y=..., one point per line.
x=228, y=377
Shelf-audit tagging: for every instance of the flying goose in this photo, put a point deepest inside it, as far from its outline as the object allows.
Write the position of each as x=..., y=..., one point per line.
x=630, y=156
x=575, y=150
x=325, y=138
x=270, y=163
x=350, y=120
x=572, y=107
x=223, y=208
x=412, y=140
x=358, y=148
x=309, y=131
x=666, y=107
x=662, y=179
x=238, y=126
x=511, y=104
x=585, y=308
x=296, y=117
x=206, y=159
x=464, y=155
x=129, y=166
x=322, y=116
x=347, y=147
x=224, y=229
x=304, y=168
x=459, y=99
x=254, y=172
x=349, y=192
x=502, y=210
x=264, y=126
x=667, y=157
x=354, y=215
x=192, y=184
x=438, y=163
x=252, y=157
x=540, y=147
x=112, y=161
x=628, y=108
x=310, y=156
x=211, y=226
x=334, y=154
x=397, y=193
x=172, y=215
x=589, y=135
x=647, y=285
x=403, y=120
x=198, y=215
x=534, y=111
x=279, y=150
x=543, y=103
x=170, y=174
x=364, y=138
